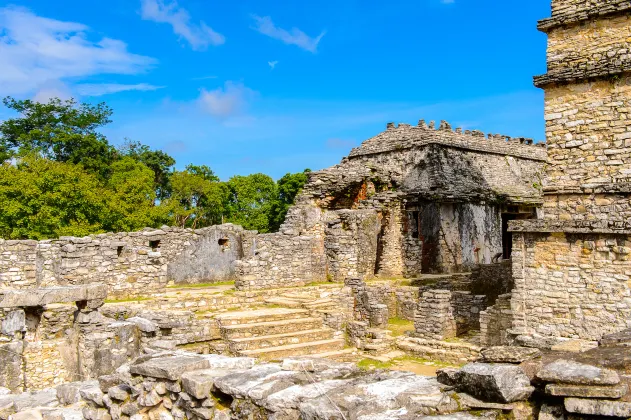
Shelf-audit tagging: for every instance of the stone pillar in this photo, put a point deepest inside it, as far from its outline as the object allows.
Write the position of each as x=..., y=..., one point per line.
x=434, y=316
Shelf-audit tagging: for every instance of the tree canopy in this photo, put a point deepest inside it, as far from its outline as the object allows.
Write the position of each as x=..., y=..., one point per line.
x=60, y=176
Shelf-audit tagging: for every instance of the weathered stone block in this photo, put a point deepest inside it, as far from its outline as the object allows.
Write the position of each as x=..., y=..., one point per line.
x=495, y=382
x=570, y=372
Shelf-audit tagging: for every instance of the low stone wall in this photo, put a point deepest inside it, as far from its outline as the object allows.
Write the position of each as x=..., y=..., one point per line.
x=281, y=261
x=129, y=263
x=435, y=316
x=495, y=322
x=571, y=285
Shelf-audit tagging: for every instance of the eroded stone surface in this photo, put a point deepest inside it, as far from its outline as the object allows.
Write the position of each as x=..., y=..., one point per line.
x=502, y=383
x=607, y=408
x=570, y=372
x=586, y=391
x=170, y=367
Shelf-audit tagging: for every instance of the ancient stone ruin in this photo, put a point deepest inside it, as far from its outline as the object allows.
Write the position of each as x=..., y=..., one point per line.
x=503, y=261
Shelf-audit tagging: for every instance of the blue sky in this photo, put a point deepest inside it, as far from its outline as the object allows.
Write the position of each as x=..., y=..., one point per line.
x=268, y=86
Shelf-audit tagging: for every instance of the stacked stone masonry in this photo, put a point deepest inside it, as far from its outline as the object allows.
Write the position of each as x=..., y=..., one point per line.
x=130, y=264
x=571, y=270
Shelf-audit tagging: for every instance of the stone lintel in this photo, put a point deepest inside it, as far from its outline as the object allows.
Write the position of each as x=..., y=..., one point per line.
x=573, y=226
x=604, y=8
x=575, y=74
x=39, y=297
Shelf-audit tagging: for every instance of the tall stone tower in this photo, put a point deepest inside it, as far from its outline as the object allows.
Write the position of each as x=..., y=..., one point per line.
x=588, y=110
x=573, y=269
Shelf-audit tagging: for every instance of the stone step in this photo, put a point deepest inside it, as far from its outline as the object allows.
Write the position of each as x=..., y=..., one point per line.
x=321, y=305
x=261, y=315
x=282, y=301
x=270, y=328
x=276, y=340
x=292, y=350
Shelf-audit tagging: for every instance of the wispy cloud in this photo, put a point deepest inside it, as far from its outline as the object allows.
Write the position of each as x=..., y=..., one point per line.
x=295, y=36
x=229, y=101
x=272, y=64
x=447, y=1
x=109, y=88
x=38, y=52
x=200, y=36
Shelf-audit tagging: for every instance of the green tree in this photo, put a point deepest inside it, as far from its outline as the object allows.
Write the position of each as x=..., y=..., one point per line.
x=40, y=198
x=63, y=131
x=203, y=171
x=250, y=201
x=197, y=200
x=161, y=163
x=289, y=186
x=131, y=197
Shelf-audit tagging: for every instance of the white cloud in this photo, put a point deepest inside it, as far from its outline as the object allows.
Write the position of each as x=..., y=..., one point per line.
x=447, y=1
x=200, y=36
x=226, y=102
x=265, y=26
x=272, y=64
x=52, y=89
x=37, y=52
x=108, y=88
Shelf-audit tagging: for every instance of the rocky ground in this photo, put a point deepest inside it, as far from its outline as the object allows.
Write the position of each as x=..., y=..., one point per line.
x=507, y=382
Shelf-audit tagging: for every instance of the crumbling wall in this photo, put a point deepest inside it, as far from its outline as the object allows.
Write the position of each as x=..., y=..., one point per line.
x=281, y=261
x=496, y=321
x=351, y=244
x=574, y=285
x=391, y=250
x=129, y=263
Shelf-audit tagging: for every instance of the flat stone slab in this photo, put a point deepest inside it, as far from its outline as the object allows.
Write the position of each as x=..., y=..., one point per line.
x=570, y=372
x=587, y=391
x=598, y=407
x=623, y=338
x=575, y=346
x=40, y=297
x=170, y=368
x=467, y=400
x=507, y=354
x=503, y=383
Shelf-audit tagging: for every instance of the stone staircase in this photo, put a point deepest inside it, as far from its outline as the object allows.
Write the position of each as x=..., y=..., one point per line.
x=302, y=300
x=276, y=333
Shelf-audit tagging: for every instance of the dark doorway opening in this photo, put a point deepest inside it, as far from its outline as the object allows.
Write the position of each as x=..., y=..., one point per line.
x=507, y=237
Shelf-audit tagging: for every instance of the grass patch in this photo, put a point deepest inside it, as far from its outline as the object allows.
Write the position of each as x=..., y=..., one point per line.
x=319, y=283
x=125, y=300
x=201, y=285
x=399, y=326
x=370, y=364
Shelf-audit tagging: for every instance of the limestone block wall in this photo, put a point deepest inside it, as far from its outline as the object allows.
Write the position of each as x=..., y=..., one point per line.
x=435, y=316
x=281, y=260
x=571, y=285
x=588, y=130
x=391, y=248
x=351, y=244
x=495, y=322
x=129, y=263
